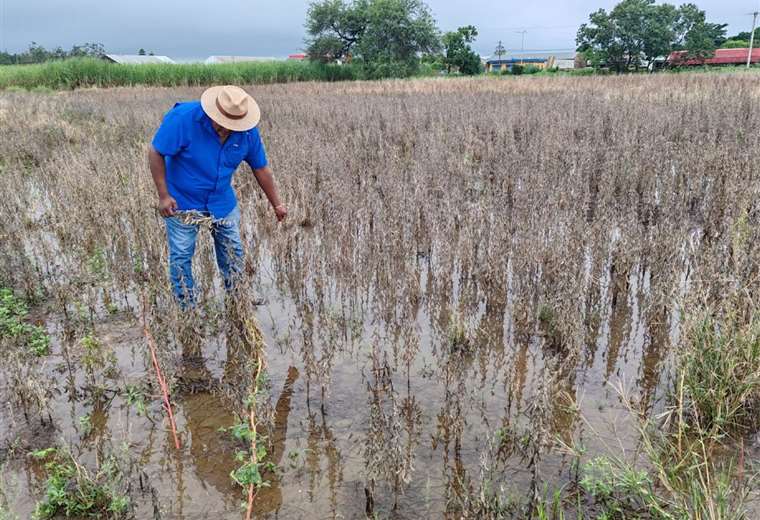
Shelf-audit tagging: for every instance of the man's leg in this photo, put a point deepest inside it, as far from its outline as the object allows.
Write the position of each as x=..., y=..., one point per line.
x=181, y=249
x=228, y=247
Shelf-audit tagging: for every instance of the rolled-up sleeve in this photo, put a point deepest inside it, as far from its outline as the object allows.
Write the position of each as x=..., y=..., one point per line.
x=171, y=136
x=257, y=157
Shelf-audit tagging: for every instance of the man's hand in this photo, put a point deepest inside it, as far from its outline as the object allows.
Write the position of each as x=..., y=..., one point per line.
x=281, y=212
x=167, y=206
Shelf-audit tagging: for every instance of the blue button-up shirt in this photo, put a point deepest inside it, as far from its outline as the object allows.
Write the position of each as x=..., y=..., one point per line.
x=199, y=168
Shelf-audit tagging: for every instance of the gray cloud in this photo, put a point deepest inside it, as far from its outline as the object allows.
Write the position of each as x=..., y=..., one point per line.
x=196, y=29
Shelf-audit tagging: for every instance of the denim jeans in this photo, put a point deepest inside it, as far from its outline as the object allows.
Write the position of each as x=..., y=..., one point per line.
x=182, y=237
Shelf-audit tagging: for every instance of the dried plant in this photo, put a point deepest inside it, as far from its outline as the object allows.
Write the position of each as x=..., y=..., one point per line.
x=560, y=232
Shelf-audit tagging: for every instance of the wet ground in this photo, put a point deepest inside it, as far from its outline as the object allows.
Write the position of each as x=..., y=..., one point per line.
x=459, y=297
x=447, y=408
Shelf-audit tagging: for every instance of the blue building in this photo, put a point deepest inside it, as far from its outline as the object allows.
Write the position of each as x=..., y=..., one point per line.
x=497, y=65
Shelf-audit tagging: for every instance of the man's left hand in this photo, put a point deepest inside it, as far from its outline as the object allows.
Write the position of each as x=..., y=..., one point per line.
x=281, y=212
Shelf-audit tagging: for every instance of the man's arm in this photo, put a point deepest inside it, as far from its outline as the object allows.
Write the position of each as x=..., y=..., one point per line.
x=265, y=178
x=166, y=203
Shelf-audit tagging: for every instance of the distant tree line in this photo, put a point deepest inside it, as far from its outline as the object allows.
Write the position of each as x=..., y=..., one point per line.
x=636, y=33
x=387, y=38
x=393, y=38
x=38, y=54
x=741, y=40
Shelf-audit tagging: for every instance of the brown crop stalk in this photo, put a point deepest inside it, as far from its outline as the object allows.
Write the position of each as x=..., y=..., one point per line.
x=256, y=339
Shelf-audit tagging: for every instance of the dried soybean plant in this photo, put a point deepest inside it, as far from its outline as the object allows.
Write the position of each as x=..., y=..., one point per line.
x=246, y=383
x=559, y=223
x=391, y=437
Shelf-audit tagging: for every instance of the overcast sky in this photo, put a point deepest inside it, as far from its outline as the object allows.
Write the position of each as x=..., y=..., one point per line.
x=190, y=29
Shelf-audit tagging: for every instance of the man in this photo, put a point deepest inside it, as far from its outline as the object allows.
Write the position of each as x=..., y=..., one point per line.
x=193, y=156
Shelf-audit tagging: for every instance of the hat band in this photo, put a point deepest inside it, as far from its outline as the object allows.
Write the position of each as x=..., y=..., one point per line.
x=227, y=114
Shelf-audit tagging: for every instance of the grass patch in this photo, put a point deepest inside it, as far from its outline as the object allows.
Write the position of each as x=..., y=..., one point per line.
x=721, y=373
x=72, y=491
x=90, y=72
x=14, y=327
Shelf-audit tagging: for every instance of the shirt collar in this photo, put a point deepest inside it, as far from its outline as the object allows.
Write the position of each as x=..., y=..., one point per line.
x=205, y=120
x=200, y=113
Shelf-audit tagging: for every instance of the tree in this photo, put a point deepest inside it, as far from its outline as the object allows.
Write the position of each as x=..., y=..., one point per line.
x=38, y=54
x=695, y=35
x=458, y=53
x=735, y=44
x=637, y=32
x=335, y=28
x=632, y=35
x=141, y=52
x=385, y=36
x=92, y=50
x=745, y=36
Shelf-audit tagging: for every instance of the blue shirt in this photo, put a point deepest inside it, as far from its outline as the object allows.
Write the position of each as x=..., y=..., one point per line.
x=199, y=168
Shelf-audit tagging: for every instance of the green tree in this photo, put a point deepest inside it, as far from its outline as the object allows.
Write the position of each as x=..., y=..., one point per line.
x=335, y=27
x=93, y=50
x=385, y=36
x=744, y=36
x=35, y=54
x=695, y=35
x=458, y=53
x=632, y=35
x=637, y=32
x=141, y=52
x=38, y=54
x=735, y=44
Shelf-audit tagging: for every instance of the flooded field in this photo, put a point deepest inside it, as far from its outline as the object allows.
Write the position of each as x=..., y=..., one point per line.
x=480, y=300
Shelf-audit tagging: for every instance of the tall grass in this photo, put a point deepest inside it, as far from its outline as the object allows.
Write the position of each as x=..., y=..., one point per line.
x=89, y=72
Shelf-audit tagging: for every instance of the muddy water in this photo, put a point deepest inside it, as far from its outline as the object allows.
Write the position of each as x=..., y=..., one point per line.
x=447, y=408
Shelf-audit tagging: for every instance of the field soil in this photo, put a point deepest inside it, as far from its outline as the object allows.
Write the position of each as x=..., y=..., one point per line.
x=482, y=285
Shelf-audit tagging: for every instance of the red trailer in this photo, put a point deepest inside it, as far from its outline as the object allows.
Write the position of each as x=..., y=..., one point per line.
x=721, y=57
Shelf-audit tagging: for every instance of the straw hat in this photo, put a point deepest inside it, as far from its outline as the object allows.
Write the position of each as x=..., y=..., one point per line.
x=231, y=107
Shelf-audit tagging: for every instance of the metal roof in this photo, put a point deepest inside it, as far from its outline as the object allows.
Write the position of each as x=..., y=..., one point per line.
x=542, y=55
x=512, y=61
x=235, y=59
x=137, y=59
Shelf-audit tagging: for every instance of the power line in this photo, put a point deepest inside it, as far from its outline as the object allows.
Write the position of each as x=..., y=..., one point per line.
x=522, y=46
x=532, y=28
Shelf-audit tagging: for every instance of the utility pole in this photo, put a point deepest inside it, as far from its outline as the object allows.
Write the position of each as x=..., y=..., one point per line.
x=2, y=25
x=500, y=50
x=752, y=38
x=522, y=45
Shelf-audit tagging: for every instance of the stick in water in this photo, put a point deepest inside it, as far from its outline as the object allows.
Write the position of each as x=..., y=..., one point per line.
x=160, y=377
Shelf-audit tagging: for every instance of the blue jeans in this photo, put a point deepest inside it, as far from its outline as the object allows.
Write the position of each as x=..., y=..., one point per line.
x=182, y=238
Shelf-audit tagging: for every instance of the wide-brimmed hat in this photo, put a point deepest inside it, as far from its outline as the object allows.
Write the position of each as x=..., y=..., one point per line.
x=231, y=107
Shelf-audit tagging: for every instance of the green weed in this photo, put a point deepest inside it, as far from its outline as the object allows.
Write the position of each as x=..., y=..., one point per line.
x=71, y=491
x=13, y=313
x=721, y=373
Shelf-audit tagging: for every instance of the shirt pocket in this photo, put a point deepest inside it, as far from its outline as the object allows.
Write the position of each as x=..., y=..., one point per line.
x=234, y=155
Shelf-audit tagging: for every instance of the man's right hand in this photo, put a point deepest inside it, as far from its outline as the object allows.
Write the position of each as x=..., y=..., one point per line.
x=167, y=206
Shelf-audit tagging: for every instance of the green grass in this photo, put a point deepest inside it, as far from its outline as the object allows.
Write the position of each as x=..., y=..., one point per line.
x=89, y=72
x=73, y=492
x=15, y=328
x=721, y=372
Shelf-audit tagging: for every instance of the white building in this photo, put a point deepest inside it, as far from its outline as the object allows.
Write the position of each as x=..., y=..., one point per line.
x=211, y=60
x=136, y=59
